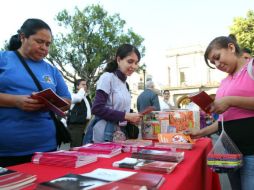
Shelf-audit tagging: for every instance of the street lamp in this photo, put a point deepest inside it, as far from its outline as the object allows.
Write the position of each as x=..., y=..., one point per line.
x=143, y=68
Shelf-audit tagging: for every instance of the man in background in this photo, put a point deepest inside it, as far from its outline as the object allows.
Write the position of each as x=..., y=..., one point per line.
x=246, y=54
x=149, y=97
x=164, y=103
x=79, y=114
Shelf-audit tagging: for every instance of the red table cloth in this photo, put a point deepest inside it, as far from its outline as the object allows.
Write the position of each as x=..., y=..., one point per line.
x=192, y=173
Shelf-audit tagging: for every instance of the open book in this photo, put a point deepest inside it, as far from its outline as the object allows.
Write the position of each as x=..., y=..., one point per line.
x=120, y=177
x=202, y=99
x=51, y=100
x=16, y=180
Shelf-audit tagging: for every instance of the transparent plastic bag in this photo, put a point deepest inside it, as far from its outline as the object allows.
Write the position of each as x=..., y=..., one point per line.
x=224, y=157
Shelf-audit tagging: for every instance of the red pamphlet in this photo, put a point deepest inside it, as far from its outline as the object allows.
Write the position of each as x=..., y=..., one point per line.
x=106, y=149
x=202, y=99
x=51, y=100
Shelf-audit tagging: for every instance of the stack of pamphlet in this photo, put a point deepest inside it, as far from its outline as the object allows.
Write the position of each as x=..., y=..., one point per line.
x=106, y=149
x=133, y=145
x=146, y=165
x=10, y=179
x=174, y=140
x=159, y=155
x=73, y=159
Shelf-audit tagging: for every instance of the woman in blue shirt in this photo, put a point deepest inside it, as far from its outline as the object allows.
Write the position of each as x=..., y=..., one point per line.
x=25, y=128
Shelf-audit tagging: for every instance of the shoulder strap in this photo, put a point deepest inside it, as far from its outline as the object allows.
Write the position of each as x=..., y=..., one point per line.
x=250, y=69
x=37, y=83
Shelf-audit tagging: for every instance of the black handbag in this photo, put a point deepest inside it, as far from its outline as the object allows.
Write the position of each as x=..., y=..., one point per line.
x=132, y=131
x=77, y=115
x=62, y=134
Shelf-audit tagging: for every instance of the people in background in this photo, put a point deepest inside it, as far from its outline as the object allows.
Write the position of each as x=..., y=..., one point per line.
x=235, y=103
x=164, y=103
x=112, y=103
x=247, y=54
x=25, y=126
x=149, y=97
x=79, y=114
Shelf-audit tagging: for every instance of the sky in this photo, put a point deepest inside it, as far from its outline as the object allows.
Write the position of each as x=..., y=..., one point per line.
x=164, y=24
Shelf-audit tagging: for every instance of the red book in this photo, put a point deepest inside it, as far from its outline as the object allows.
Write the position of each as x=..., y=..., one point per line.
x=150, y=180
x=147, y=110
x=16, y=180
x=51, y=100
x=72, y=159
x=159, y=166
x=101, y=149
x=116, y=185
x=202, y=99
x=146, y=165
x=159, y=155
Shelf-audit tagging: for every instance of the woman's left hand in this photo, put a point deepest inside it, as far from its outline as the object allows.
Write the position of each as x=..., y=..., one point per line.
x=220, y=106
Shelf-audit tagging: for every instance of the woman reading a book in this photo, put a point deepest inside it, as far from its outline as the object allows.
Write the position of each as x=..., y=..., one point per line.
x=111, y=106
x=234, y=101
x=25, y=126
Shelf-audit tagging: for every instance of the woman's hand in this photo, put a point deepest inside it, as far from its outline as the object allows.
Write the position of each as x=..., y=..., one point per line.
x=133, y=117
x=221, y=105
x=27, y=103
x=194, y=134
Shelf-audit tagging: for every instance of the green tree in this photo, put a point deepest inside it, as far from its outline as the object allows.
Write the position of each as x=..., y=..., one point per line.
x=243, y=29
x=89, y=40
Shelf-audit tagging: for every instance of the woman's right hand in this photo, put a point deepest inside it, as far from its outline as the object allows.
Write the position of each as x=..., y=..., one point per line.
x=27, y=103
x=133, y=117
x=194, y=134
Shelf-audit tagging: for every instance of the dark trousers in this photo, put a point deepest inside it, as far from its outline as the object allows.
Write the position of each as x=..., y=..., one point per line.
x=6, y=161
x=77, y=133
x=14, y=160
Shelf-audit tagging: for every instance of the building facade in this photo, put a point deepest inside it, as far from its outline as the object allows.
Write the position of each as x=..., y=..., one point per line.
x=188, y=73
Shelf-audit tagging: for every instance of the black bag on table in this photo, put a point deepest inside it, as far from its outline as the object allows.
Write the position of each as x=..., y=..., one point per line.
x=132, y=131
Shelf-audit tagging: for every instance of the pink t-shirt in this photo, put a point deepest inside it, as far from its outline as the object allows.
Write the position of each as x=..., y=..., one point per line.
x=239, y=84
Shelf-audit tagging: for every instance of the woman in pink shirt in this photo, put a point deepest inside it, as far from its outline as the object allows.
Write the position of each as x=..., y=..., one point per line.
x=235, y=102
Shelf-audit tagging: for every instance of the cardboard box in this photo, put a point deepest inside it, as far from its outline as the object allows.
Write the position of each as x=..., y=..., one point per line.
x=169, y=122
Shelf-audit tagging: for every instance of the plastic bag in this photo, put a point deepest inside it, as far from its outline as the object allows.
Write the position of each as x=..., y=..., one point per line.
x=224, y=157
x=119, y=135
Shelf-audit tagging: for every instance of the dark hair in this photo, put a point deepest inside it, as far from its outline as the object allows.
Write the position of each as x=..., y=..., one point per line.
x=246, y=50
x=221, y=43
x=77, y=82
x=122, y=52
x=30, y=27
x=233, y=37
x=165, y=91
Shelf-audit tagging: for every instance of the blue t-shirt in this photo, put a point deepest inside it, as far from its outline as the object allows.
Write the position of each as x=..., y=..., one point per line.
x=24, y=132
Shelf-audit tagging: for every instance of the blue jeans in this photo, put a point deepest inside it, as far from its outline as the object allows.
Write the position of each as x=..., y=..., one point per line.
x=243, y=179
x=108, y=131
